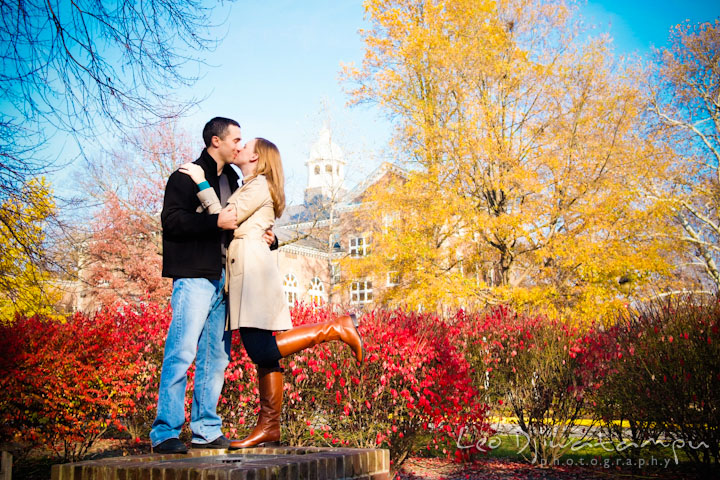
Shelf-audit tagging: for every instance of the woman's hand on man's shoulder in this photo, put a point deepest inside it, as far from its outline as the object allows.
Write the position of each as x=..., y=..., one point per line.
x=194, y=170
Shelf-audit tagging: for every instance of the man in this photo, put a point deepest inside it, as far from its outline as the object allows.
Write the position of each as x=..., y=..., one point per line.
x=194, y=244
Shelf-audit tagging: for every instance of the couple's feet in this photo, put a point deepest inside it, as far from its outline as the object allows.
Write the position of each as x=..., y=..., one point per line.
x=174, y=445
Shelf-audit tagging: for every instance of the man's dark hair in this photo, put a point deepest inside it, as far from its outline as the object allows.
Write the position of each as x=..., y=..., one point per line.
x=217, y=127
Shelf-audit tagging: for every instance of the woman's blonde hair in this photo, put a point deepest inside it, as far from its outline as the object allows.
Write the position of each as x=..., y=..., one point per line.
x=270, y=165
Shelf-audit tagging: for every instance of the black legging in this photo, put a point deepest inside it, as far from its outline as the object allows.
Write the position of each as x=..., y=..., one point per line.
x=261, y=347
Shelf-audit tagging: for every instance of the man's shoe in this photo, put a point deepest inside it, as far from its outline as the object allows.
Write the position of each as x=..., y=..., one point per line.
x=221, y=442
x=171, y=445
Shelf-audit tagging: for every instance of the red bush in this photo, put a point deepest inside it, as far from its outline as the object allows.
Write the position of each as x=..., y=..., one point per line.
x=658, y=370
x=527, y=364
x=415, y=379
x=63, y=384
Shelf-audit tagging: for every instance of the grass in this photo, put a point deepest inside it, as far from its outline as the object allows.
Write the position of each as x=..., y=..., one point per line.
x=580, y=422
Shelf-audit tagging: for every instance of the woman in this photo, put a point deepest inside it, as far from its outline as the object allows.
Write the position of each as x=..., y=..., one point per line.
x=257, y=307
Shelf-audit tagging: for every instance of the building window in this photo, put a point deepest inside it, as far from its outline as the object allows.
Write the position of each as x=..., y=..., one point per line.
x=359, y=246
x=361, y=292
x=290, y=288
x=328, y=168
x=316, y=291
x=317, y=169
x=389, y=220
x=393, y=279
x=334, y=273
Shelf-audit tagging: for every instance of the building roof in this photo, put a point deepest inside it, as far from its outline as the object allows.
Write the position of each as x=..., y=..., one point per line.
x=354, y=195
x=305, y=245
x=299, y=221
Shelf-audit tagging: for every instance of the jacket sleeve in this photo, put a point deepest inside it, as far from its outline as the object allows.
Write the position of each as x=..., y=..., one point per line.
x=209, y=200
x=179, y=214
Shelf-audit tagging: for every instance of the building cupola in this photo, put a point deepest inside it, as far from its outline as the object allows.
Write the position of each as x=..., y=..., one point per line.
x=326, y=169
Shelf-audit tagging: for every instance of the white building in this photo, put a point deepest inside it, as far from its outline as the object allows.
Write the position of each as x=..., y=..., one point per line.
x=325, y=168
x=315, y=236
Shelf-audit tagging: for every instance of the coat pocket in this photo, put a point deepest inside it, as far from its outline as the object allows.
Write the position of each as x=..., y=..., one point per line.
x=235, y=257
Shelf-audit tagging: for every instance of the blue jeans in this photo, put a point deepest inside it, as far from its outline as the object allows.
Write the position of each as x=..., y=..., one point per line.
x=198, y=327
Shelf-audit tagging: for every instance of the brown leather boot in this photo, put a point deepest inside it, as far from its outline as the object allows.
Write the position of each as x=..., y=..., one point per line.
x=304, y=336
x=267, y=430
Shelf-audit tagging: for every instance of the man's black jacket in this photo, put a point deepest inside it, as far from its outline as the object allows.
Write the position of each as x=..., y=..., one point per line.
x=191, y=237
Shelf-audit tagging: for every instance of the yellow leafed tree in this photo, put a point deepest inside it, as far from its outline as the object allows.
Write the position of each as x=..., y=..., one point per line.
x=416, y=256
x=525, y=153
x=24, y=283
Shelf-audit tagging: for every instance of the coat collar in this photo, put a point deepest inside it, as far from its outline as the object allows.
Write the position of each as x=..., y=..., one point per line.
x=244, y=182
x=208, y=163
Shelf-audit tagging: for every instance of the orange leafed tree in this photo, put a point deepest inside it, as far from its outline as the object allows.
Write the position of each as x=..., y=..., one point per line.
x=525, y=153
x=123, y=256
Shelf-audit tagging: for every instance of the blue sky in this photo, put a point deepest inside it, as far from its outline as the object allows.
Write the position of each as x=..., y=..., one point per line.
x=635, y=25
x=276, y=71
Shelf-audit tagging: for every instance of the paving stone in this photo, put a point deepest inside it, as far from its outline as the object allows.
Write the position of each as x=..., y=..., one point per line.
x=279, y=463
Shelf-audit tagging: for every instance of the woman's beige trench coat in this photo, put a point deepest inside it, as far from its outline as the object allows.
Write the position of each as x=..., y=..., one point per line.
x=252, y=279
